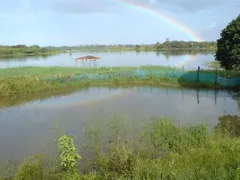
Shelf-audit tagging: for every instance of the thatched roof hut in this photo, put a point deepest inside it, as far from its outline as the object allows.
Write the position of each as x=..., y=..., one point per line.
x=91, y=58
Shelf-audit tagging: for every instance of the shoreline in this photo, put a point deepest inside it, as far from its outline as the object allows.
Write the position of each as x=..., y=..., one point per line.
x=22, y=98
x=27, y=80
x=159, y=148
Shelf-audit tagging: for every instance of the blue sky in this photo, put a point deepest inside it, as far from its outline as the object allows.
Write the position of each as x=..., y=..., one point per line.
x=73, y=22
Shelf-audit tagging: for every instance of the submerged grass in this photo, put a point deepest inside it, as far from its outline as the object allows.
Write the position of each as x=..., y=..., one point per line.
x=158, y=149
x=32, y=80
x=13, y=86
x=214, y=64
x=64, y=71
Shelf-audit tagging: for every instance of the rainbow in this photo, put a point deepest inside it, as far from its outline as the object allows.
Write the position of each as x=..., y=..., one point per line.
x=162, y=17
x=187, y=60
x=79, y=99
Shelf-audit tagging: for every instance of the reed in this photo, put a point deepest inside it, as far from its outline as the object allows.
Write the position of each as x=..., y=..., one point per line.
x=33, y=80
x=157, y=149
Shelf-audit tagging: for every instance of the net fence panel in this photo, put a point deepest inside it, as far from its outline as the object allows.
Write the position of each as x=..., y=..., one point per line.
x=188, y=77
x=206, y=78
x=234, y=82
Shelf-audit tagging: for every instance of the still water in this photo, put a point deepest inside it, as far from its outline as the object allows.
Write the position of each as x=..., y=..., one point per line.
x=26, y=129
x=190, y=60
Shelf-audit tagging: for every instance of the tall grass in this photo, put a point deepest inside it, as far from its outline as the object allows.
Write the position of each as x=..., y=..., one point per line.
x=158, y=149
x=66, y=71
x=25, y=80
x=214, y=64
x=51, y=71
x=11, y=87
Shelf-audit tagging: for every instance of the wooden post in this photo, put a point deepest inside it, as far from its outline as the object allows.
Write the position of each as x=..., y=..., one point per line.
x=182, y=95
x=215, y=96
x=182, y=70
x=198, y=96
x=216, y=77
x=198, y=73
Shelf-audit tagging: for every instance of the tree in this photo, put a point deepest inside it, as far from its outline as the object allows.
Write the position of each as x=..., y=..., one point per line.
x=166, y=43
x=228, y=46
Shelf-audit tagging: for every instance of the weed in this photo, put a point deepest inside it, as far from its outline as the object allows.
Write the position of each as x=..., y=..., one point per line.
x=159, y=149
x=68, y=153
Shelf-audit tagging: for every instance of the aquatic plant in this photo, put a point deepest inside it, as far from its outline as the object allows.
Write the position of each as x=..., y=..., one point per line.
x=68, y=153
x=27, y=81
x=229, y=124
x=158, y=149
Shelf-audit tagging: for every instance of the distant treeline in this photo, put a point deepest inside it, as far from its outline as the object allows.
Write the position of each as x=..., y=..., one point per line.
x=23, y=50
x=167, y=45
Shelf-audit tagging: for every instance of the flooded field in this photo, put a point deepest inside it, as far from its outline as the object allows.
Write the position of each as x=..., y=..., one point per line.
x=30, y=128
x=190, y=60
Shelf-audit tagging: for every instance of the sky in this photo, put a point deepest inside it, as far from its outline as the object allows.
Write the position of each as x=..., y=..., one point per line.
x=79, y=22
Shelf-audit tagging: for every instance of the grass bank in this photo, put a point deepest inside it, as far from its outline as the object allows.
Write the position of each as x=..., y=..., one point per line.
x=22, y=50
x=66, y=71
x=214, y=64
x=33, y=80
x=157, y=149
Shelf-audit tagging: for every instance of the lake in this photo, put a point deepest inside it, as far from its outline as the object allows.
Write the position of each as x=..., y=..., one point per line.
x=26, y=129
x=190, y=60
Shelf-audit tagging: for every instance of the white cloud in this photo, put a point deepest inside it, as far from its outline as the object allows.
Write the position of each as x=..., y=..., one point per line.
x=152, y=2
x=213, y=25
x=26, y=4
x=78, y=6
x=10, y=18
x=188, y=5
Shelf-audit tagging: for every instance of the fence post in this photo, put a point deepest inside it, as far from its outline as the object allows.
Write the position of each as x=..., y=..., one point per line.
x=216, y=77
x=182, y=70
x=215, y=96
x=198, y=73
x=198, y=96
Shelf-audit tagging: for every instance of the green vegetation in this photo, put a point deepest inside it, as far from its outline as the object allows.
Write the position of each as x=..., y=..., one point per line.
x=228, y=46
x=230, y=125
x=68, y=152
x=58, y=70
x=156, y=149
x=33, y=80
x=35, y=50
x=167, y=45
x=22, y=50
x=214, y=64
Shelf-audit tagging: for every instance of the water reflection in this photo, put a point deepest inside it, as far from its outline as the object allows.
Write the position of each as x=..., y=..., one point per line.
x=189, y=59
x=229, y=125
x=33, y=121
x=218, y=96
x=188, y=52
x=201, y=94
x=24, y=58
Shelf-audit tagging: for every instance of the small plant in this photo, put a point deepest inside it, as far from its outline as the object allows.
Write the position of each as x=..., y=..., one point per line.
x=68, y=152
x=31, y=169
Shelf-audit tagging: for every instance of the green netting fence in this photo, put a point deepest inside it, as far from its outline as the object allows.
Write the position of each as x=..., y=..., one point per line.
x=182, y=76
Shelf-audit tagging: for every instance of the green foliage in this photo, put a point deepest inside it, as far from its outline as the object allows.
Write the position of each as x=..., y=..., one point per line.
x=22, y=50
x=12, y=86
x=68, y=152
x=163, y=150
x=230, y=125
x=164, y=136
x=214, y=64
x=32, y=80
x=169, y=45
x=31, y=169
x=228, y=46
x=157, y=149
